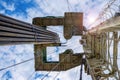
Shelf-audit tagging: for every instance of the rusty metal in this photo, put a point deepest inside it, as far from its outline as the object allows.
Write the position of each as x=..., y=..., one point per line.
x=73, y=25
x=72, y=22
x=48, y=21
x=96, y=43
x=14, y=31
x=110, y=25
x=67, y=60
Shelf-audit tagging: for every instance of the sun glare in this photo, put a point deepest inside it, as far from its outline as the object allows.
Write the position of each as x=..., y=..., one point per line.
x=91, y=20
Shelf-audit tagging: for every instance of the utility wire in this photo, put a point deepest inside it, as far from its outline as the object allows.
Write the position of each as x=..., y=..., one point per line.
x=67, y=46
x=52, y=69
x=76, y=72
x=68, y=5
x=34, y=14
x=29, y=78
x=54, y=9
x=16, y=64
x=56, y=75
x=55, y=66
x=81, y=69
x=38, y=55
x=25, y=60
x=103, y=12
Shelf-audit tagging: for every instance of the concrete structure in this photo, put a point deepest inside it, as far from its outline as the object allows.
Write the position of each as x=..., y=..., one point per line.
x=67, y=60
x=73, y=25
x=72, y=22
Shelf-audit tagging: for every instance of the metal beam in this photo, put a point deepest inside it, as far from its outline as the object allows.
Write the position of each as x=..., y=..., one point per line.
x=100, y=46
x=112, y=24
x=115, y=50
x=14, y=31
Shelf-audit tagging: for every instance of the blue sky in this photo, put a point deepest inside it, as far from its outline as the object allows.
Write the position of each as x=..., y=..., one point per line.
x=25, y=10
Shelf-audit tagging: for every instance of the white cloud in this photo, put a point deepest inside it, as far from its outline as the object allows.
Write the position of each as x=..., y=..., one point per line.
x=58, y=7
x=21, y=17
x=45, y=8
x=10, y=55
x=2, y=11
x=10, y=7
x=34, y=12
x=27, y=1
x=72, y=74
x=52, y=7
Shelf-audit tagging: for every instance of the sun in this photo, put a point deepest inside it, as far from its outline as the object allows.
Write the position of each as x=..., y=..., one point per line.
x=91, y=20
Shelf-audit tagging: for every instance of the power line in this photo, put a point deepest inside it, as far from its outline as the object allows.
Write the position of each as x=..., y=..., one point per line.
x=55, y=66
x=51, y=70
x=71, y=18
x=81, y=69
x=47, y=2
x=56, y=75
x=76, y=73
x=20, y=62
x=55, y=30
x=67, y=46
x=16, y=64
x=33, y=71
x=103, y=12
x=32, y=17
x=68, y=5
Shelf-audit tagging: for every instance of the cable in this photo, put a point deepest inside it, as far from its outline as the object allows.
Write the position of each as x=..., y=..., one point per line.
x=81, y=69
x=106, y=7
x=47, y=3
x=73, y=22
x=55, y=30
x=61, y=51
x=33, y=71
x=49, y=54
x=68, y=5
x=55, y=66
x=72, y=19
x=76, y=72
x=32, y=17
x=20, y=62
x=29, y=78
x=16, y=64
x=56, y=75
x=52, y=69
x=38, y=55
